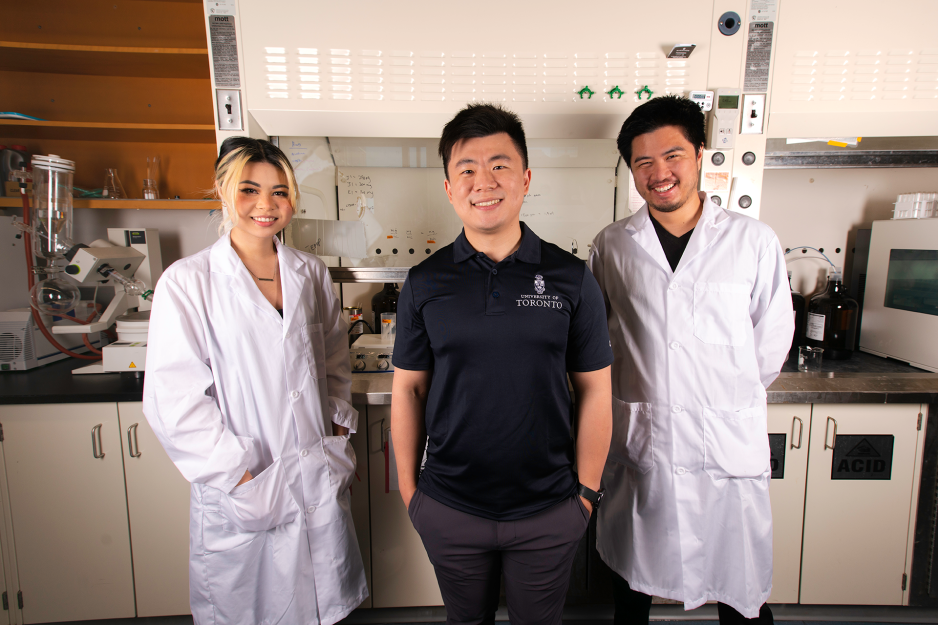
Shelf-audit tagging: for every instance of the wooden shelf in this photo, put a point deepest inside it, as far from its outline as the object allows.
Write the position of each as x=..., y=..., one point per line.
x=15, y=202
x=18, y=56
x=104, y=131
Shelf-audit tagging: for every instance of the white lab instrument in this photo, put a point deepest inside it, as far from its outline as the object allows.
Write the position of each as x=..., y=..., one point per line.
x=371, y=353
x=721, y=131
x=703, y=99
x=23, y=346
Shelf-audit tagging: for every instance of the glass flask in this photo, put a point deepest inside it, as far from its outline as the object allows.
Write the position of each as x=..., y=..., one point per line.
x=57, y=295
x=832, y=320
x=51, y=214
x=798, y=305
x=112, y=185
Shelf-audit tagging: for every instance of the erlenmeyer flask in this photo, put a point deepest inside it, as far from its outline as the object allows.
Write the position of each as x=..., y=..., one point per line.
x=112, y=185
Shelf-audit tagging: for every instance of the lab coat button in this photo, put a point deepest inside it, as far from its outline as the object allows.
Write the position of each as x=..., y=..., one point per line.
x=287, y=335
x=681, y=470
x=676, y=409
x=675, y=344
x=311, y=509
x=294, y=394
x=672, y=286
x=304, y=453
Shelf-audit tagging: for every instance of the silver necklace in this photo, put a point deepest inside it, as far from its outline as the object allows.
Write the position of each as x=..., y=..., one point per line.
x=264, y=279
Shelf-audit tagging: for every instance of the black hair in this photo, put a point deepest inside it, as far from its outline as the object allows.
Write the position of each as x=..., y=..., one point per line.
x=669, y=110
x=482, y=120
x=257, y=151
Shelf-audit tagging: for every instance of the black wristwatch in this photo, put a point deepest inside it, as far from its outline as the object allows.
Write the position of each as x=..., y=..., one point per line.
x=591, y=495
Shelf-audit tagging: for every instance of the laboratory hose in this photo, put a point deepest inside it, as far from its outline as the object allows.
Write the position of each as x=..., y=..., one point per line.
x=27, y=239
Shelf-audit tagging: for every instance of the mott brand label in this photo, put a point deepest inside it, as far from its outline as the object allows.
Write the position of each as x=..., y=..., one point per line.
x=224, y=51
x=758, y=57
x=862, y=457
x=777, y=449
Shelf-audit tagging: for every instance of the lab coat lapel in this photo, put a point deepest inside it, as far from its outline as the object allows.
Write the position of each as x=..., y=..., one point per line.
x=643, y=233
x=226, y=261
x=294, y=285
x=705, y=233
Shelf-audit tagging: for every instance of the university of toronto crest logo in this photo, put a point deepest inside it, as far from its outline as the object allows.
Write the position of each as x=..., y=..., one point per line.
x=539, y=284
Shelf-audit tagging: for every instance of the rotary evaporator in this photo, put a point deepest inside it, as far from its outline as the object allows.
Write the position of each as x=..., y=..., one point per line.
x=128, y=261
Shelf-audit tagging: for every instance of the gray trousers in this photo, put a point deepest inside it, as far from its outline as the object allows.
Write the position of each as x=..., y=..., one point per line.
x=469, y=555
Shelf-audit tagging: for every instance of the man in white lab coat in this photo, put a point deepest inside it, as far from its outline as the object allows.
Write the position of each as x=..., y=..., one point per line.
x=700, y=320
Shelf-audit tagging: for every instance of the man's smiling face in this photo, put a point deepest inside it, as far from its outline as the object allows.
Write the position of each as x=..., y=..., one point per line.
x=487, y=183
x=666, y=168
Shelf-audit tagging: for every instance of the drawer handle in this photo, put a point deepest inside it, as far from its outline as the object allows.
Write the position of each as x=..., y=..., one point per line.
x=96, y=447
x=800, y=432
x=827, y=429
x=132, y=443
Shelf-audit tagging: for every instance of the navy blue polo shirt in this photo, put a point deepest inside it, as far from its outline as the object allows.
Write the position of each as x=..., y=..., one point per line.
x=500, y=339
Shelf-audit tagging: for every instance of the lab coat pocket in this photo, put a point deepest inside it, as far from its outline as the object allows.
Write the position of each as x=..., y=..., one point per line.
x=315, y=344
x=633, y=437
x=721, y=312
x=262, y=503
x=736, y=443
x=340, y=460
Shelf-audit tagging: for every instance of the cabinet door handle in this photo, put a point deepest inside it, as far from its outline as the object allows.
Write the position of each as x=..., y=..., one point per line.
x=800, y=432
x=827, y=430
x=132, y=443
x=96, y=447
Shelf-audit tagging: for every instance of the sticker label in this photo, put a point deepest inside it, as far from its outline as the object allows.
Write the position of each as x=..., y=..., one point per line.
x=716, y=181
x=224, y=51
x=225, y=7
x=777, y=449
x=763, y=10
x=862, y=457
x=758, y=57
x=815, y=327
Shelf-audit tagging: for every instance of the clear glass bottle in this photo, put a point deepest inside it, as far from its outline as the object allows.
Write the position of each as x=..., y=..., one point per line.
x=832, y=320
x=798, y=305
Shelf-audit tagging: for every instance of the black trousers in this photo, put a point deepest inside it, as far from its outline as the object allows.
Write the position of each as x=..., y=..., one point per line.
x=632, y=608
x=470, y=554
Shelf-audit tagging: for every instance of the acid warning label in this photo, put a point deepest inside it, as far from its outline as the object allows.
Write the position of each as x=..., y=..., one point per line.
x=862, y=457
x=777, y=449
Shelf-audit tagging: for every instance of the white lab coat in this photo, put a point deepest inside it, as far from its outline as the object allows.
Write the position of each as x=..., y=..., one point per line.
x=230, y=386
x=687, y=513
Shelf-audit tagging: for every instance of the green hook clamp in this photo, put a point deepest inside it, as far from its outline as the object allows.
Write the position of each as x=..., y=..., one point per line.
x=644, y=89
x=616, y=92
x=587, y=92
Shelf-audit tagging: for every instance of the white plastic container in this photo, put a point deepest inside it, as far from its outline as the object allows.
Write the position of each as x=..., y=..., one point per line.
x=133, y=327
x=916, y=206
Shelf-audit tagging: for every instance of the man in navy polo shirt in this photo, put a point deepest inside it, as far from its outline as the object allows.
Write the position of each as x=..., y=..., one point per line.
x=488, y=330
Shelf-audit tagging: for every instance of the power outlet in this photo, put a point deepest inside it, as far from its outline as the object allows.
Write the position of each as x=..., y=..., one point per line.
x=753, y=114
x=228, y=105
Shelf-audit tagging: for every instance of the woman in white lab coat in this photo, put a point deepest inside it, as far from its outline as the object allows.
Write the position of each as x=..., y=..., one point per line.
x=248, y=389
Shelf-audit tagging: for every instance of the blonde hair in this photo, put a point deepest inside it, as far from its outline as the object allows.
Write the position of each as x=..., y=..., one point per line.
x=234, y=156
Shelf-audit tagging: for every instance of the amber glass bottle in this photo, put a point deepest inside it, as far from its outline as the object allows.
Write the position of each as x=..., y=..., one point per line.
x=832, y=320
x=798, y=305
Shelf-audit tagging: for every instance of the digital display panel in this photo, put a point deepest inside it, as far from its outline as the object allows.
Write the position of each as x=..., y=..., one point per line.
x=912, y=281
x=728, y=102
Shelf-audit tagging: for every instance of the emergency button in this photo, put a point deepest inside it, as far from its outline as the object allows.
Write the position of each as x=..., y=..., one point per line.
x=674, y=344
x=676, y=409
x=681, y=470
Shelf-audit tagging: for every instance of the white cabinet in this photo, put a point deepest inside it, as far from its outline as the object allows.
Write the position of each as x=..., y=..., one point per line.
x=401, y=572
x=158, y=505
x=69, y=511
x=859, y=508
x=789, y=428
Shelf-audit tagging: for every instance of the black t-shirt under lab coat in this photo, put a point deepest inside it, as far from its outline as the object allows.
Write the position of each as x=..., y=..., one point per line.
x=673, y=246
x=499, y=339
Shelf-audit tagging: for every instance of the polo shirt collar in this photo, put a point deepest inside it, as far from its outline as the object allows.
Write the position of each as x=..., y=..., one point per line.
x=528, y=252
